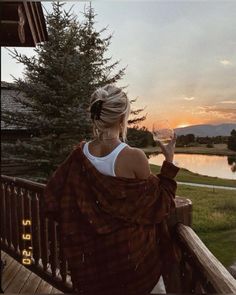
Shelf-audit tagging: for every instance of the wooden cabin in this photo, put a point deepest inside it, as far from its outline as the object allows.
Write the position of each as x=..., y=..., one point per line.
x=12, y=132
x=22, y=24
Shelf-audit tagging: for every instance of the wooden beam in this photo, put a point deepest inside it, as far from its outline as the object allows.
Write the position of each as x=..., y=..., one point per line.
x=30, y=21
x=207, y=263
x=21, y=24
x=39, y=13
x=182, y=213
x=36, y=21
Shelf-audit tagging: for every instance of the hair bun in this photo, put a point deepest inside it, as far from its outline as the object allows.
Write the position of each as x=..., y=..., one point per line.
x=96, y=109
x=102, y=94
x=108, y=106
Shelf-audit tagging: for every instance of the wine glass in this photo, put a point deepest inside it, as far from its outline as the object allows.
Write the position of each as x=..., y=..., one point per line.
x=162, y=131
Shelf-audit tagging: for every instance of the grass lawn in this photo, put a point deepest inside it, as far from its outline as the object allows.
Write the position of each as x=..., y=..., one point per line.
x=214, y=219
x=185, y=175
x=222, y=244
x=218, y=149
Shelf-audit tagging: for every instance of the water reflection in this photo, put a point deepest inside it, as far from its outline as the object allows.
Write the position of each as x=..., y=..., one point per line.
x=232, y=163
x=219, y=166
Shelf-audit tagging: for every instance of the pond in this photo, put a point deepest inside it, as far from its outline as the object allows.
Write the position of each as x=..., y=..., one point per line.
x=219, y=166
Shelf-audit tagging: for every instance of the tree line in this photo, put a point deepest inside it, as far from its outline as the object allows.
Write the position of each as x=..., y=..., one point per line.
x=189, y=140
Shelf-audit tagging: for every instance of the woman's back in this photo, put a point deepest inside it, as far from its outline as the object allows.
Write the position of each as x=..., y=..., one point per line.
x=112, y=229
x=108, y=226
x=117, y=159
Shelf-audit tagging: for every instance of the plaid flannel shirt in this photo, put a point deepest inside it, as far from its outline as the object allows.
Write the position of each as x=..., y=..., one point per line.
x=113, y=229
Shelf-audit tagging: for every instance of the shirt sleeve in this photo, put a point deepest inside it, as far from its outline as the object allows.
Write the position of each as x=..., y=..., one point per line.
x=168, y=184
x=169, y=170
x=161, y=203
x=161, y=195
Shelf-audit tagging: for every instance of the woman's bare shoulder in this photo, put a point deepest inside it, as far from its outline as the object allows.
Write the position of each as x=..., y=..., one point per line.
x=138, y=161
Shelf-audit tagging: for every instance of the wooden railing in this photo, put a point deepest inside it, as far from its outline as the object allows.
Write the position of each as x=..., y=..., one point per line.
x=20, y=199
x=197, y=272
x=201, y=270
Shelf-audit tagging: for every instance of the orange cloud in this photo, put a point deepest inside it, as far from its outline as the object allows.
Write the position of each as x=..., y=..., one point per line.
x=228, y=101
x=227, y=113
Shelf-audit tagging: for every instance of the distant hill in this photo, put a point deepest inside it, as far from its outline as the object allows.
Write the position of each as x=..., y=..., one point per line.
x=207, y=130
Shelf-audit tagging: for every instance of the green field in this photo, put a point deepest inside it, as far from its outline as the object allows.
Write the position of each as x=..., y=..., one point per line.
x=214, y=219
x=185, y=175
x=218, y=149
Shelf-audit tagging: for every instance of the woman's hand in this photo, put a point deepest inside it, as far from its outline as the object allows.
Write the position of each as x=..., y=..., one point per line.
x=168, y=150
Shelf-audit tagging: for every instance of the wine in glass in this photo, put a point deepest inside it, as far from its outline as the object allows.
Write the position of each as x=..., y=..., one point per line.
x=162, y=131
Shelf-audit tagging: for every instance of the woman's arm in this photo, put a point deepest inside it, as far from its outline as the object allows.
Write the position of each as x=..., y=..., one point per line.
x=161, y=190
x=141, y=165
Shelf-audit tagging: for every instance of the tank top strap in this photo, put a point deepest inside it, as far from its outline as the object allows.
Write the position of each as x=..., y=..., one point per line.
x=104, y=164
x=113, y=154
x=117, y=150
x=85, y=146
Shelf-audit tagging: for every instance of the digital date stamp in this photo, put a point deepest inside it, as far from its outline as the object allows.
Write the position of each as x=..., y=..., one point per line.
x=27, y=252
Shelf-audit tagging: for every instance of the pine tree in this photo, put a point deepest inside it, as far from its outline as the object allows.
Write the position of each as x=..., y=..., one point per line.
x=57, y=84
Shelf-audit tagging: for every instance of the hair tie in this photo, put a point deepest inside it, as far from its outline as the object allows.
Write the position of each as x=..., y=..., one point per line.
x=96, y=109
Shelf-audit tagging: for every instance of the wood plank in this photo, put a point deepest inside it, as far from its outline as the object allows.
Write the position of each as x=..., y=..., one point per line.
x=35, y=229
x=8, y=214
x=55, y=291
x=20, y=214
x=9, y=274
x=24, y=183
x=21, y=24
x=3, y=213
x=207, y=263
x=3, y=254
x=40, y=22
x=31, y=23
x=36, y=21
x=31, y=284
x=43, y=235
x=8, y=260
x=15, y=224
x=19, y=280
x=53, y=246
x=44, y=287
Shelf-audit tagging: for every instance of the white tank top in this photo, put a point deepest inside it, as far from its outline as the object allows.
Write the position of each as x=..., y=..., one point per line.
x=104, y=164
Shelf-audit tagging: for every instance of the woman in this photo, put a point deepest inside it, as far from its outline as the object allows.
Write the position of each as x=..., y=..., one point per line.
x=112, y=210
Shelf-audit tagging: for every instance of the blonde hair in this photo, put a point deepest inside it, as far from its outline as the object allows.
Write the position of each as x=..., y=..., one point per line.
x=112, y=105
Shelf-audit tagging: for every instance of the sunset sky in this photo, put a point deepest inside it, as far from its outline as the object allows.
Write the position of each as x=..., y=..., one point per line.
x=181, y=56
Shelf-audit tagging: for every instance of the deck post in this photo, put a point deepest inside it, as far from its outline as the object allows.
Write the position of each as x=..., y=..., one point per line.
x=172, y=275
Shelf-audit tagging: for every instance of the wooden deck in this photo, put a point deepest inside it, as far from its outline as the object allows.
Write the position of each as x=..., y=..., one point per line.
x=16, y=278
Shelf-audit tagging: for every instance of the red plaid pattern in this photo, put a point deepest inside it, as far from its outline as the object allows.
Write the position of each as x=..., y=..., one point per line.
x=113, y=229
